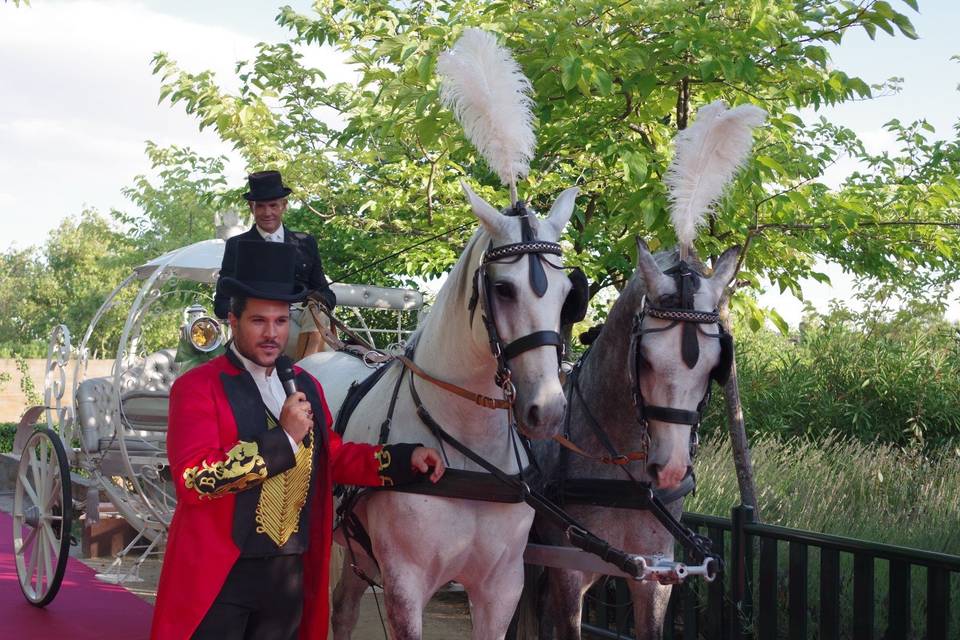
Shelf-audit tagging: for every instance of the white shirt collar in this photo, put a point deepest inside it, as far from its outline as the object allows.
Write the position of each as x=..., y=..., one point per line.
x=276, y=236
x=269, y=385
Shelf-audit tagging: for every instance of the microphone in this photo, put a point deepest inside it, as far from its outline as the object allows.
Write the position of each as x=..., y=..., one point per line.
x=284, y=366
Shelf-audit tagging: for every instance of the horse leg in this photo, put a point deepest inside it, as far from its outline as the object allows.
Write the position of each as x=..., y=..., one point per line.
x=650, y=600
x=494, y=598
x=564, y=603
x=347, y=594
x=405, y=594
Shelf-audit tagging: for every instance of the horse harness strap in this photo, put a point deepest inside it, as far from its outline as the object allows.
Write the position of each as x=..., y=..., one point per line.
x=618, y=459
x=621, y=494
x=578, y=535
x=614, y=457
x=480, y=399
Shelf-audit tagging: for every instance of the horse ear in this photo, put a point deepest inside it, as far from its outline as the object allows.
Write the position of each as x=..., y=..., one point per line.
x=657, y=282
x=562, y=209
x=489, y=217
x=724, y=269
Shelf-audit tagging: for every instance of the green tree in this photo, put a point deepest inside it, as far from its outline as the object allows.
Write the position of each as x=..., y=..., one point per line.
x=64, y=282
x=613, y=84
x=179, y=206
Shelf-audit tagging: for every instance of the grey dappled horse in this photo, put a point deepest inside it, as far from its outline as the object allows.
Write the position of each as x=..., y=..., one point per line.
x=673, y=366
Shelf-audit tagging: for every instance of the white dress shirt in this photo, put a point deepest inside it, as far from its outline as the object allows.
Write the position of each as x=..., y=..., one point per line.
x=270, y=387
x=276, y=236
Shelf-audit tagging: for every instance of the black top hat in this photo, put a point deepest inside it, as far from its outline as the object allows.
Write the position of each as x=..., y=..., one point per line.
x=266, y=185
x=265, y=270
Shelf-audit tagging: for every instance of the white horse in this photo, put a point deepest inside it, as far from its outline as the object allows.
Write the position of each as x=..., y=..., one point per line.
x=422, y=542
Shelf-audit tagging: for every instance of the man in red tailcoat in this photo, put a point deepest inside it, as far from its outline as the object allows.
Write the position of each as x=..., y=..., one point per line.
x=248, y=554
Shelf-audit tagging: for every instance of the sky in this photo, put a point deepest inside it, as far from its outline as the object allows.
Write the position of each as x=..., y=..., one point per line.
x=78, y=99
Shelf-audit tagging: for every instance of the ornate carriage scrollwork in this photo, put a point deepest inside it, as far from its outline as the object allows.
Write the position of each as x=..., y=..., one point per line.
x=59, y=350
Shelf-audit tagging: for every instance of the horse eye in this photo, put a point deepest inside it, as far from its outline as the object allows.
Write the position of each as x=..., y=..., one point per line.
x=505, y=290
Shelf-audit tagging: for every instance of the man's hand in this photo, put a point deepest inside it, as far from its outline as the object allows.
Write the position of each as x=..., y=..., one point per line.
x=296, y=416
x=423, y=458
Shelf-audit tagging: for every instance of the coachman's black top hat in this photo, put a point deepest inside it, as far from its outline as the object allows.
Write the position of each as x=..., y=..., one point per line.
x=265, y=270
x=266, y=185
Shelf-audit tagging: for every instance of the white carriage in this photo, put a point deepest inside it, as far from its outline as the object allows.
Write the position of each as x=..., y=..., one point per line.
x=111, y=430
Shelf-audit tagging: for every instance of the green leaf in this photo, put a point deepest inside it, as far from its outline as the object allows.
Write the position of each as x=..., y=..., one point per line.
x=649, y=215
x=645, y=84
x=772, y=164
x=634, y=167
x=817, y=54
x=603, y=82
x=425, y=68
x=708, y=69
x=428, y=130
x=570, y=70
x=778, y=322
x=906, y=27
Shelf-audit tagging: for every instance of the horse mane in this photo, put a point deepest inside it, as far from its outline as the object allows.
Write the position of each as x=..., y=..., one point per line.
x=458, y=287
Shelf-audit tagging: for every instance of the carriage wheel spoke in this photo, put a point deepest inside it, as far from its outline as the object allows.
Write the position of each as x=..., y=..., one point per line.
x=40, y=468
x=47, y=564
x=52, y=539
x=53, y=499
x=48, y=458
x=34, y=466
x=28, y=488
x=26, y=541
x=32, y=565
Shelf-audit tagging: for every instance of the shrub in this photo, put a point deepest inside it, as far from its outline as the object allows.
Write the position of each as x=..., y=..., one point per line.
x=7, y=431
x=893, y=380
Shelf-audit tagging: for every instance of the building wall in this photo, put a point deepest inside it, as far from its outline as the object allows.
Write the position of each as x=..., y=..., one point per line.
x=13, y=402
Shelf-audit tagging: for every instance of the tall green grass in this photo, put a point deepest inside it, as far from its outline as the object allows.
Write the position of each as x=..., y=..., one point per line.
x=893, y=379
x=839, y=485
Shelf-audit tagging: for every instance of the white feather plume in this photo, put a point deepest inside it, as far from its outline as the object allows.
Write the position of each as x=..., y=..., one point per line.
x=707, y=155
x=486, y=90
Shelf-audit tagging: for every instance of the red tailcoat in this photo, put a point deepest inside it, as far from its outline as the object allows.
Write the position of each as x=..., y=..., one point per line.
x=200, y=548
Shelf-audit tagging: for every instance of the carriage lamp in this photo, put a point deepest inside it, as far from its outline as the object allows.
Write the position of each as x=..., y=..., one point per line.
x=203, y=332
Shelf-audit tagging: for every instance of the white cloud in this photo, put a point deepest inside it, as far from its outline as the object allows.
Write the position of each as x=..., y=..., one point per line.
x=80, y=101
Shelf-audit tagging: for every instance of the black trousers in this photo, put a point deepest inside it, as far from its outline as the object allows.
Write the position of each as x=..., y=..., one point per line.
x=262, y=599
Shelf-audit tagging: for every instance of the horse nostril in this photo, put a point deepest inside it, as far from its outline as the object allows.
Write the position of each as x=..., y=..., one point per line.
x=533, y=415
x=653, y=470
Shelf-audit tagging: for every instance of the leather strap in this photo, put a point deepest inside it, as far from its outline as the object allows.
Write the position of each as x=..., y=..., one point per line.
x=533, y=341
x=478, y=398
x=671, y=415
x=578, y=535
x=619, y=459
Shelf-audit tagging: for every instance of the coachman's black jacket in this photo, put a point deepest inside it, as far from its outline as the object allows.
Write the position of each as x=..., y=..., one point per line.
x=309, y=268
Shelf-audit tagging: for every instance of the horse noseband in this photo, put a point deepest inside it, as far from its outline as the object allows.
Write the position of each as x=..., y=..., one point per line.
x=688, y=281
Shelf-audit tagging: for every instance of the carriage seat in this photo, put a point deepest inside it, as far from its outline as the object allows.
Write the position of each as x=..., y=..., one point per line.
x=144, y=399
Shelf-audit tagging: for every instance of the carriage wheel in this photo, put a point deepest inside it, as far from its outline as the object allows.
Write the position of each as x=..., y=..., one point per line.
x=42, y=514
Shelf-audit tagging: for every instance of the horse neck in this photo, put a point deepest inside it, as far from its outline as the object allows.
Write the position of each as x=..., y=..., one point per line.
x=605, y=375
x=452, y=348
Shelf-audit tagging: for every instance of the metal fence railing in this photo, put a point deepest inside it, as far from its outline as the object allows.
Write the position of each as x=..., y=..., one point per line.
x=794, y=584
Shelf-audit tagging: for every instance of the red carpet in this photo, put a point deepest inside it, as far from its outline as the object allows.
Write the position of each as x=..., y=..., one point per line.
x=84, y=609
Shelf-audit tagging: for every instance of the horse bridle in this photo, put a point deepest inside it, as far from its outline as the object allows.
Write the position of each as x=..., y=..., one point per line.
x=690, y=320
x=483, y=293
